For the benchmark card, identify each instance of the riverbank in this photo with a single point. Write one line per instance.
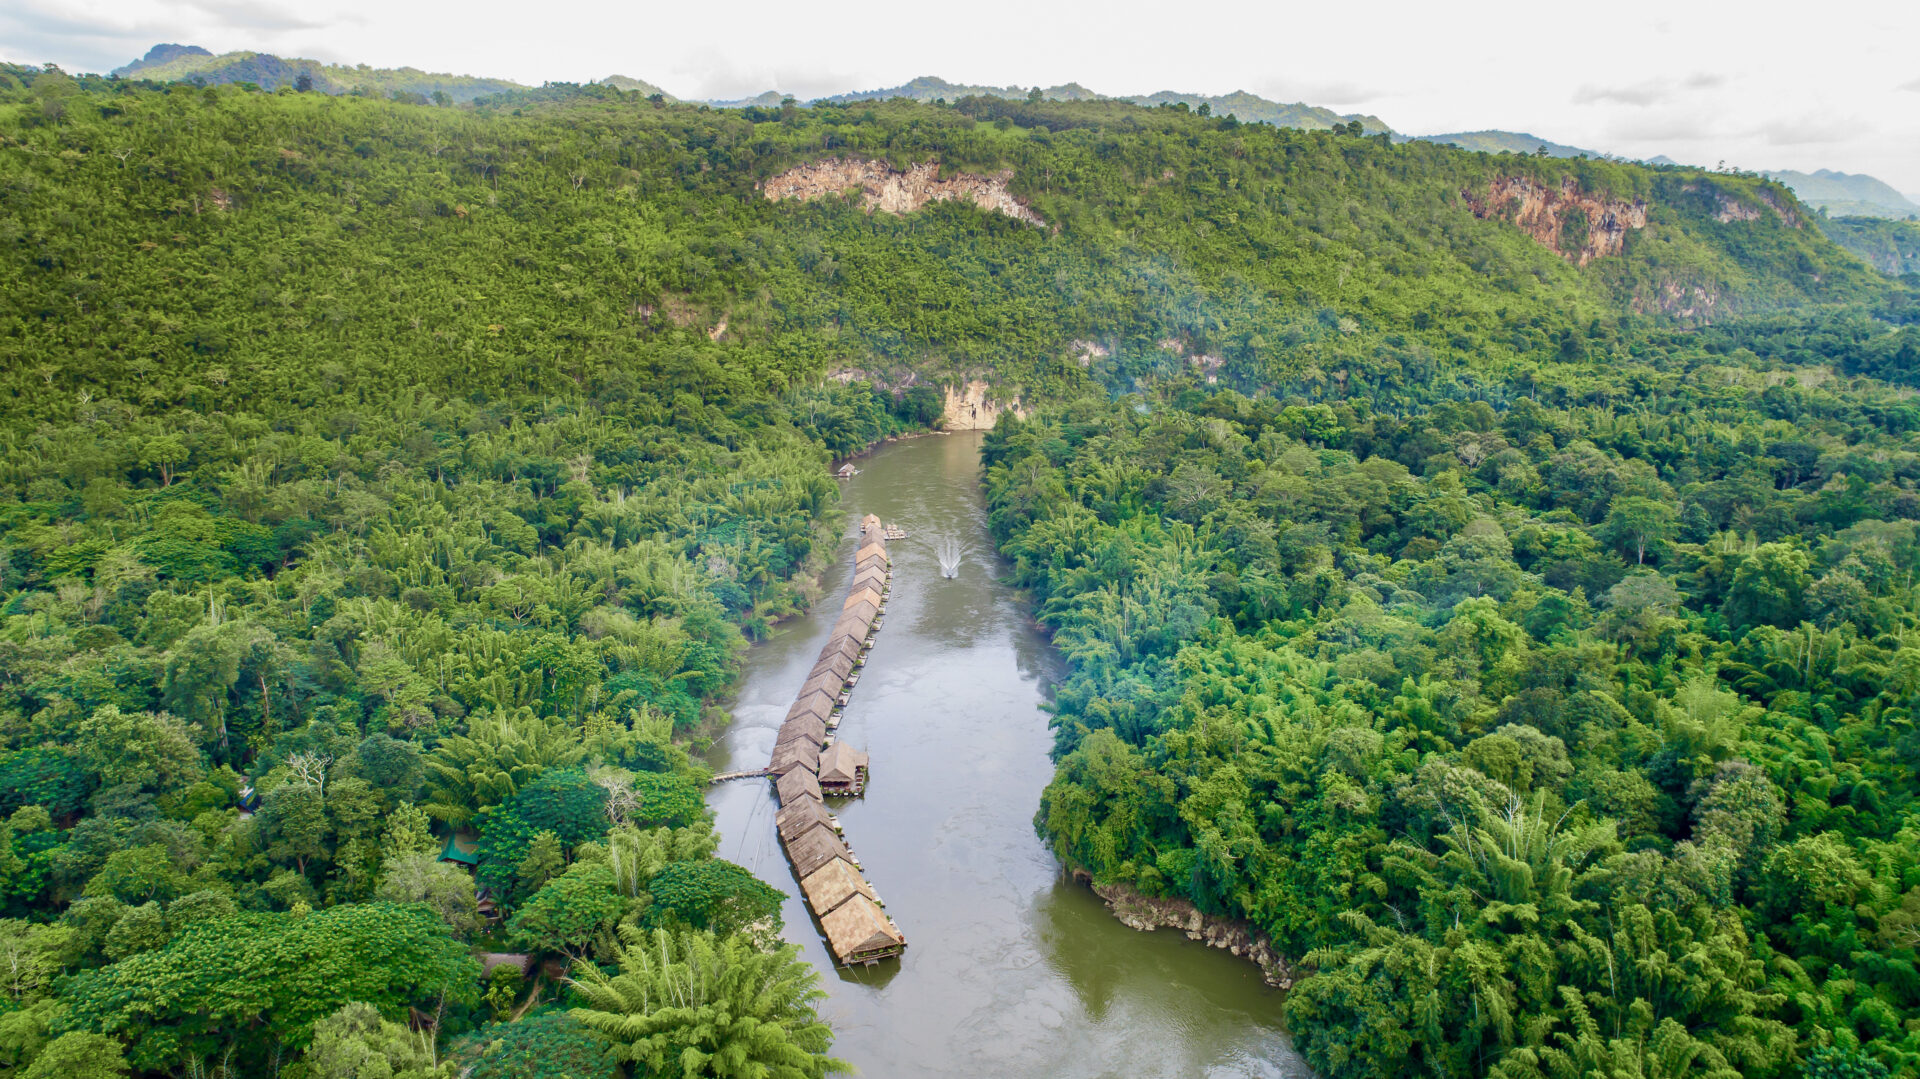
(1147, 913)
(1014, 971)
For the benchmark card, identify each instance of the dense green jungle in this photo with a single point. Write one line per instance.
(1519, 630)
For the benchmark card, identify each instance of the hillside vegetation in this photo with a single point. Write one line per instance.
(1892, 247)
(426, 468)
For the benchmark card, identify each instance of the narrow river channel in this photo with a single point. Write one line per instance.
(1010, 970)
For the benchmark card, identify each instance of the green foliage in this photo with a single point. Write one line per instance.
(356, 1042)
(42, 776)
(544, 1045)
(503, 991)
(369, 452)
(1892, 247)
(1562, 738)
(1832, 1062)
(713, 895)
(564, 804)
(693, 1004)
(78, 1055)
(421, 877)
(252, 983)
(574, 914)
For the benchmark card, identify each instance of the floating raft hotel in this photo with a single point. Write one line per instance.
(808, 765)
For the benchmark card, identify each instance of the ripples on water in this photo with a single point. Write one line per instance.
(1010, 970)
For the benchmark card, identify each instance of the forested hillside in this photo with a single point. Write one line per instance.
(420, 472)
(1892, 247)
(1559, 718)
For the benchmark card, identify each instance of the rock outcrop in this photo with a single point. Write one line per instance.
(1544, 212)
(1681, 300)
(889, 191)
(970, 409)
(1730, 208)
(1147, 914)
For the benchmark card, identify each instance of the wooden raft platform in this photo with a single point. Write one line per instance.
(808, 766)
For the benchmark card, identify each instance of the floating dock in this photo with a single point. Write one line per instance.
(808, 765)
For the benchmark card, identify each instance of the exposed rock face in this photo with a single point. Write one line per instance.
(1681, 300)
(1147, 914)
(883, 189)
(970, 409)
(1731, 209)
(1542, 213)
(1088, 351)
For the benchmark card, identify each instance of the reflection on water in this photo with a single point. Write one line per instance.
(1009, 970)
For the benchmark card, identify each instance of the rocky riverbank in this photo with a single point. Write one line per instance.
(1147, 913)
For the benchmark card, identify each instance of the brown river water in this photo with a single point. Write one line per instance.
(1011, 969)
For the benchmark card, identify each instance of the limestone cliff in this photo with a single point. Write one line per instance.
(1729, 208)
(970, 409)
(889, 191)
(1545, 213)
(1147, 914)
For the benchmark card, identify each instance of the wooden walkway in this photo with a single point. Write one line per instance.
(725, 776)
(805, 760)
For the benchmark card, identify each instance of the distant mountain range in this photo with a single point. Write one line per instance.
(1506, 142)
(636, 86)
(1844, 194)
(933, 88)
(1838, 193)
(191, 63)
(1242, 106)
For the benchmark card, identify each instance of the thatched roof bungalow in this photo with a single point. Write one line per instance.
(810, 727)
(819, 702)
(842, 769)
(823, 683)
(862, 594)
(837, 663)
(798, 753)
(814, 848)
(794, 820)
(870, 524)
(865, 609)
(834, 884)
(797, 785)
(859, 932)
(873, 578)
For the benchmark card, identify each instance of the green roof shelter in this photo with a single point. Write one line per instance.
(463, 849)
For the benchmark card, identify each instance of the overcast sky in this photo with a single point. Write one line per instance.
(1833, 85)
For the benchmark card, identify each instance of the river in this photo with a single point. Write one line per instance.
(1011, 969)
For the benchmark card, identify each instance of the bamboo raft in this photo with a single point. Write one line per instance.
(809, 765)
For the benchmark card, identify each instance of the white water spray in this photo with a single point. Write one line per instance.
(949, 551)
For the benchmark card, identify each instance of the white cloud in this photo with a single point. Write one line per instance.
(1693, 84)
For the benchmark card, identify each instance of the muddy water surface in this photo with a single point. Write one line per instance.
(1010, 969)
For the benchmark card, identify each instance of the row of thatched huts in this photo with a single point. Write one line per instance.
(809, 765)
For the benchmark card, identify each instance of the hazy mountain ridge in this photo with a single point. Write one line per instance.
(191, 63)
(934, 88)
(1243, 106)
(1839, 194)
(633, 85)
(1507, 142)
(1843, 194)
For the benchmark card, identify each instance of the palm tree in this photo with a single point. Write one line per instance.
(692, 1004)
